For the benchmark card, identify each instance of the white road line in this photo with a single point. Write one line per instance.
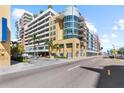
(73, 68)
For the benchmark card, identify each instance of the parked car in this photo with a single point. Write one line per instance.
(111, 56)
(121, 57)
(25, 55)
(105, 55)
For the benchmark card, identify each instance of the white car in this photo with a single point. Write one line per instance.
(25, 55)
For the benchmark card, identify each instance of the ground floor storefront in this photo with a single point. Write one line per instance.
(71, 48)
(68, 48)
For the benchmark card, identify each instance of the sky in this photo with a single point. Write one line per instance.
(106, 21)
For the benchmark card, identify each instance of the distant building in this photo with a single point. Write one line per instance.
(25, 18)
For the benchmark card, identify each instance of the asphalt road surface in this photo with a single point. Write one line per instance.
(88, 73)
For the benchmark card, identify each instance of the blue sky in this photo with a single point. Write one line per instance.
(106, 21)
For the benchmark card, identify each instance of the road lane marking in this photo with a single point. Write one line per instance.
(109, 72)
(73, 68)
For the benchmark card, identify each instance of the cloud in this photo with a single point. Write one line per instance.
(115, 28)
(105, 36)
(119, 25)
(114, 35)
(105, 40)
(91, 27)
(17, 13)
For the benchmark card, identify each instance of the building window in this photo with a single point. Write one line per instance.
(76, 31)
(50, 33)
(71, 18)
(69, 45)
(54, 27)
(54, 38)
(68, 31)
(68, 24)
(75, 18)
(34, 48)
(50, 22)
(77, 45)
(61, 54)
(54, 21)
(75, 24)
(40, 48)
(68, 18)
(54, 33)
(50, 28)
(61, 46)
(46, 47)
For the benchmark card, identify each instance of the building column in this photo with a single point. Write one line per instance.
(85, 51)
(79, 52)
(74, 51)
(65, 50)
(82, 49)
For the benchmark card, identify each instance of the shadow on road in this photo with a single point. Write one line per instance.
(114, 80)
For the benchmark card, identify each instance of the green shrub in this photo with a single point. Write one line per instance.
(20, 59)
(62, 57)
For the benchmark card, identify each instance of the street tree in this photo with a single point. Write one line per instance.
(101, 48)
(41, 11)
(35, 41)
(16, 49)
(57, 48)
(35, 15)
(52, 47)
(50, 6)
(121, 51)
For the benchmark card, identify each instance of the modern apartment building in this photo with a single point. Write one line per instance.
(93, 44)
(68, 46)
(39, 27)
(25, 18)
(73, 30)
(4, 35)
(67, 28)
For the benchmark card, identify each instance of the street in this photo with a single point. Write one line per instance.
(89, 73)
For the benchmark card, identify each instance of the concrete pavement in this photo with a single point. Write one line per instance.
(89, 73)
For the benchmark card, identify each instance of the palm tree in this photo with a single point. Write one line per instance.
(51, 47)
(41, 11)
(13, 50)
(16, 49)
(20, 49)
(57, 48)
(34, 41)
(33, 38)
(35, 15)
(101, 48)
(50, 6)
(121, 51)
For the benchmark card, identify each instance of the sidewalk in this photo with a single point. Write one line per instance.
(37, 63)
